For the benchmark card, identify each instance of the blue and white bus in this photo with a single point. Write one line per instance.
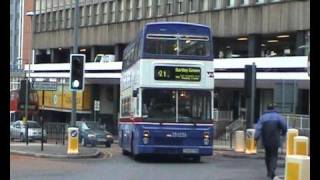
(166, 91)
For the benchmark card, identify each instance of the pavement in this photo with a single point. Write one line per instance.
(52, 151)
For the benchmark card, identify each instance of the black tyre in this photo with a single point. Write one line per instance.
(11, 138)
(124, 152)
(21, 138)
(93, 144)
(108, 144)
(134, 156)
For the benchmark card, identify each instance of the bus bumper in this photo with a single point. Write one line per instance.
(175, 150)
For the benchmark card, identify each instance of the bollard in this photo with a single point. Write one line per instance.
(290, 139)
(297, 167)
(73, 140)
(239, 141)
(251, 147)
(301, 145)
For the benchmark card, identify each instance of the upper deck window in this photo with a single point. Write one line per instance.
(194, 46)
(180, 45)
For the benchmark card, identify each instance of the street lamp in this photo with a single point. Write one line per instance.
(30, 14)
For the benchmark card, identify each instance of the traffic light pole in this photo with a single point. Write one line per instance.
(75, 51)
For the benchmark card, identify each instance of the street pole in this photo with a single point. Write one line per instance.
(30, 14)
(75, 51)
(42, 126)
(253, 95)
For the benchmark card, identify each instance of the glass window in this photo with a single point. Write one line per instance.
(169, 7)
(97, 14)
(113, 11)
(54, 20)
(244, 2)
(68, 18)
(161, 46)
(194, 47)
(82, 16)
(89, 15)
(168, 45)
(121, 11)
(192, 5)
(229, 3)
(259, 1)
(62, 18)
(43, 22)
(216, 4)
(204, 5)
(180, 6)
(139, 9)
(32, 125)
(105, 12)
(161, 105)
(149, 8)
(158, 7)
(129, 9)
(193, 106)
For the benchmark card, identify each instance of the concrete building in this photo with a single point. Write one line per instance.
(15, 42)
(20, 31)
(242, 29)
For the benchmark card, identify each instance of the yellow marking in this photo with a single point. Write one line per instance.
(301, 148)
(292, 171)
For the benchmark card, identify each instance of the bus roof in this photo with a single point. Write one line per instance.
(176, 28)
(177, 23)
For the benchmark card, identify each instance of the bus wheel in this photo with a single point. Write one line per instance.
(134, 156)
(125, 152)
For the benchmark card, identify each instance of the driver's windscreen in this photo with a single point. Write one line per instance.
(33, 125)
(159, 105)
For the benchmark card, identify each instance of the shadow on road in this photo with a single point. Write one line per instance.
(165, 159)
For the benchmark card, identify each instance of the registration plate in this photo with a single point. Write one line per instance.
(101, 140)
(190, 151)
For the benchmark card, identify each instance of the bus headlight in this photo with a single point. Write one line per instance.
(206, 138)
(146, 137)
(146, 134)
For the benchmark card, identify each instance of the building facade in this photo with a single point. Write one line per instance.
(241, 29)
(15, 42)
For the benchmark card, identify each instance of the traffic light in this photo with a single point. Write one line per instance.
(22, 91)
(249, 79)
(77, 62)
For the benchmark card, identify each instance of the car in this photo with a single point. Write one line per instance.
(104, 58)
(91, 133)
(18, 131)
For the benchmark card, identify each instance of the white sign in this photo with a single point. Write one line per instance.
(96, 105)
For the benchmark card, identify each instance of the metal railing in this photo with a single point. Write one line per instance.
(226, 138)
(298, 121)
(56, 132)
(222, 115)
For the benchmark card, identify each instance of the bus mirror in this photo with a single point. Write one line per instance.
(135, 93)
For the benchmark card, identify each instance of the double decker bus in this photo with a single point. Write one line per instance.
(166, 91)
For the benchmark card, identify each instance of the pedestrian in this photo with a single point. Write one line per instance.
(270, 126)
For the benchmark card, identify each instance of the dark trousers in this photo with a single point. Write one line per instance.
(271, 157)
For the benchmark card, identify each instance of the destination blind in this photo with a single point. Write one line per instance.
(173, 73)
